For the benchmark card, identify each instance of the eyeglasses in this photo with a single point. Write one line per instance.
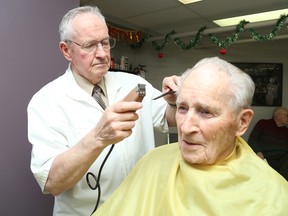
(91, 46)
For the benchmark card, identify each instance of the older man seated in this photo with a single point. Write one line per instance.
(211, 170)
(269, 139)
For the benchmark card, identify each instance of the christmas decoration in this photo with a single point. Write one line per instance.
(160, 55)
(124, 35)
(223, 51)
(229, 40)
(193, 42)
(279, 25)
(139, 44)
(222, 44)
(158, 47)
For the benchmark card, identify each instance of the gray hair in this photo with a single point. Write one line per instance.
(279, 110)
(241, 87)
(66, 29)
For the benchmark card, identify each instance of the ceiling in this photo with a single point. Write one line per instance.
(159, 17)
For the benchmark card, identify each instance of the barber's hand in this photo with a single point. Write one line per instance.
(168, 84)
(117, 122)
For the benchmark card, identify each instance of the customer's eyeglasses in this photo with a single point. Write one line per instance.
(90, 46)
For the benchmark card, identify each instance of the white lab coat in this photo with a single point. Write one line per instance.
(61, 113)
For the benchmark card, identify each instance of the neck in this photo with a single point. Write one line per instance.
(279, 123)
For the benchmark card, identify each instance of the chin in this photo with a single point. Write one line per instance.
(101, 66)
(101, 70)
(195, 159)
(191, 158)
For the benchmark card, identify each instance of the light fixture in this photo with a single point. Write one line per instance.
(188, 1)
(265, 16)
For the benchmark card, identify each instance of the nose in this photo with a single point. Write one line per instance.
(190, 124)
(100, 51)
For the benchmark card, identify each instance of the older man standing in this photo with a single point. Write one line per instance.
(76, 120)
(211, 170)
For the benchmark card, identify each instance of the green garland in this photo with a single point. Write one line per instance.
(158, 47)
(279, 25)
(193, 42)
(139, 44)
(229, 40)
(223, 44)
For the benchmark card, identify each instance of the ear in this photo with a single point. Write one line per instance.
(244, 120)
(65, 50)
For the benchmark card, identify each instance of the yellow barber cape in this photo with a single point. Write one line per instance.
(163, 184)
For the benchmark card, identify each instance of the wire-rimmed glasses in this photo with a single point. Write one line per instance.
(90, 46)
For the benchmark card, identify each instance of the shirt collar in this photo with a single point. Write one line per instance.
(86, 85)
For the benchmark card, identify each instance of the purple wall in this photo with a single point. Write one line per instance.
(29, 58)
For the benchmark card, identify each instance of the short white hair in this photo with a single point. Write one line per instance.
(66, 29)
(241, 85)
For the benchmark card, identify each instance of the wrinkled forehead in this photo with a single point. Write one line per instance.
(89, 25)
(204, 88)
(206, 76)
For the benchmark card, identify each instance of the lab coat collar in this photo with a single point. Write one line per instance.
(74, 91)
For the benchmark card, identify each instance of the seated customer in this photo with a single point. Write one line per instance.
(269, 139)
(211, 170)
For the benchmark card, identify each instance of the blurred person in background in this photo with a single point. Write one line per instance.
(269, 139)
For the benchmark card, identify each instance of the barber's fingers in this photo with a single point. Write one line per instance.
(124, 106)
(116, 124)
(115, 132)
(170, 83)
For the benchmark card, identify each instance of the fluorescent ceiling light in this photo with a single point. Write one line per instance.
(189, 1)
(265, 16)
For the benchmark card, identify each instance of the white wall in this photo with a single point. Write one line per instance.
(176, 61)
